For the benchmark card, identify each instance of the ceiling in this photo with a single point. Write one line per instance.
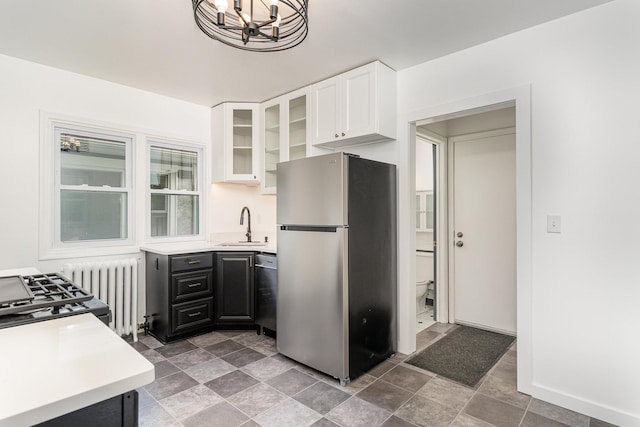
(156, 46)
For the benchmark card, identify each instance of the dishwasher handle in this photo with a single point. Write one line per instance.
(265, 266)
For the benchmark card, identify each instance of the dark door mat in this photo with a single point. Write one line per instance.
(464, 355)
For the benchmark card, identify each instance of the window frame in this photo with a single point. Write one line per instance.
(179, 145)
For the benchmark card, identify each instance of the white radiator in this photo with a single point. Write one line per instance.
(115, 283)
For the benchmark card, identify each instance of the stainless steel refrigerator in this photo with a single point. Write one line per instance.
(337, 251)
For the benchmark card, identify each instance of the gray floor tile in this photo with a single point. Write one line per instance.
(256, 399)
(155, 416)
(268, 348)
(446, 392)
(243, 357)
(207, 371)
(394, 421)
(426, 337)
(249, 339)
(358, 384)
(441, 328)
(266, 368)
(152, 356)
(186, 403)
(323, 422)
(149, 341)
(559, 414)
(321, 397)
(494, 411)
(356, 412)
(250, 423)
(381, 369)
(504, 390)
(139, 347)
(221, 415)
(231, 383)
(425, 412)
(291, 382)
(464, 420)
(175, 348)
(191, 358)
(505, 369)
(594, 422)
(385, 395)
(144, 398)
(288, 413)
(170, 385)
(223, 348)
(164, 368)
(534, 420)
(406, 378)
(206, 340)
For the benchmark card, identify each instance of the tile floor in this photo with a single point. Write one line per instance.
(239, 379)
(424, 319)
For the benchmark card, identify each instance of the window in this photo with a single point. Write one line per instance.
(92, 185)
(175, 184)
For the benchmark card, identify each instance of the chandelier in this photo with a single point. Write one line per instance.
(254, 25)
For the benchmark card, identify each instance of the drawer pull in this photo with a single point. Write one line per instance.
(193, 285)
(194, 314)
(193, 261)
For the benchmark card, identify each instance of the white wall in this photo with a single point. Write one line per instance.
(227, 201)
(26, 89)
(584, 318)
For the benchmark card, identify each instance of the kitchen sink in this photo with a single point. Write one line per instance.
(243, 244)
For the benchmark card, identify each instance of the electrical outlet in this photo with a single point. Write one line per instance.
(554, 224)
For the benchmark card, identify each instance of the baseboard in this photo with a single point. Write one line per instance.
(586, 407)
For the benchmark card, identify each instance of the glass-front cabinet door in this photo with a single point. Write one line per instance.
(271, 145)
(235, 138)
(285, 130)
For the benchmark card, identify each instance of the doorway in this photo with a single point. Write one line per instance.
(478, 237)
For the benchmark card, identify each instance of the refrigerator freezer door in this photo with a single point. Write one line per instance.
(312, 299)
(311, 191)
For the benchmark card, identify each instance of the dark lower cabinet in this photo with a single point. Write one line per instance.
(179, 294)
(234, 289)
(119, 411)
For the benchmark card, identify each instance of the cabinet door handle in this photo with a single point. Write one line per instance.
(337, 135)
(193, 285)
(343, 134)
(194, 314)
(195, 261)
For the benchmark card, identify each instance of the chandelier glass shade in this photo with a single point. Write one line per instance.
(253, 25)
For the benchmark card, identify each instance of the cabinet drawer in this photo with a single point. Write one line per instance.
(191, 262)
(191, 285)
(191, 315)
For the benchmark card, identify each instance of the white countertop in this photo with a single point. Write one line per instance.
(54, 367)
(192, 247)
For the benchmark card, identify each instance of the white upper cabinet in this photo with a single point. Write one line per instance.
(285, 130)
(235, 139)
(355, 107)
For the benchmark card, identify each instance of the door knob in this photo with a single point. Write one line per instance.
(459, 234)
(459, 243)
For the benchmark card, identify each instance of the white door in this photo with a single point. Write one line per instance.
(484, 207)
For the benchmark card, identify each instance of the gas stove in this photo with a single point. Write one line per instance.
(34, 298)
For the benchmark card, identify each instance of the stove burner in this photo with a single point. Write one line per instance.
(50, 291)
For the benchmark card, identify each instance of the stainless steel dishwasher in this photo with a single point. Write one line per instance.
(267, 295)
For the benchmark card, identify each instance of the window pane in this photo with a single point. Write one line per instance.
(173, 169)
(92, 215)
(91, 161)
(174, 215)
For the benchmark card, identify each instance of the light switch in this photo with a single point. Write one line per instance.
(554, 224)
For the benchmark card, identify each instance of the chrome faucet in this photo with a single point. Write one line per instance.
(248, 234)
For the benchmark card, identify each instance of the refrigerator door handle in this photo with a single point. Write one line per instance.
(320, 229)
